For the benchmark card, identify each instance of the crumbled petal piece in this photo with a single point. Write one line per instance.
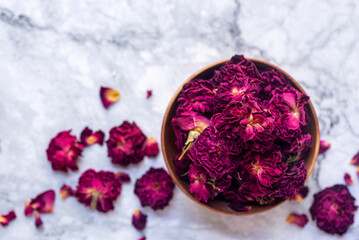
(333, 209)
(88, 137)
(125, 144)
(355, 160)
(109, 96)
(98, 190)
(139, 220)
(149, 94)
(348, 179)
(142, 238)
(151, 147)
(67, 191)
(154, 188)
(7, 218)
(324, 146)
(43, 203)
(63, 151)
(298, 219)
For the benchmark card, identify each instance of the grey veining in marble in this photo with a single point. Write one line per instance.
(55, 55)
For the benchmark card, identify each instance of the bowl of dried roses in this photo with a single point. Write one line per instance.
(240, 137)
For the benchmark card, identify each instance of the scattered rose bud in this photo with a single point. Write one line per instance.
(122, 177)
(154, 188)
(125, 145)
(63, 151)
(151, 147)
(333, 209)
(348, 179)
(67, 191)
(298, 219)
(324, 146)
(149, 94)
(108, 96)
(301, 194)
(139, 220)
(98, 190)
(7, 218)
(43, 203)
(355, 160)
(89, 138)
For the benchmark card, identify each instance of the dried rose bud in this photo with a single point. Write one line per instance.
(43, 203)
(139, 220)
(348, 179)
(98, 190)
(355, 160)
(149, 94)
(199, 185)
(88, 137)
(67, 191)
(125, 144)
(123, 177)
(298, 219)
(63, 151)
(324, 146)
(301, 194)
(154, 188)
(151, 147)
(108, 96)
(7, 218)
(333, 209)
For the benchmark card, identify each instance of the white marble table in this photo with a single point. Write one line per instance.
(54, 56)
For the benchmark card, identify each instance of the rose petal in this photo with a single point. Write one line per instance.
(123, 177)
(139, 220)
(348, 179)
(142, 238)
(355, 160)
(38, 221)
(67, 191)
(298, 219)
(324, 146)
(301, 195)
(149, 94)
(43, 203)
(7, 218)
(108, 96)
(88, 137)
(151, 147)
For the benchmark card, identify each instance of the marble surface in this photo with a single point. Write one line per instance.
(54, 56)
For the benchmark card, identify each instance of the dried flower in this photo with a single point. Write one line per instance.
(154, 188)
(139, 220)
(333, 209)
(348, 179)
(63, 151)
(7, 218)
(43, 203)
(324, 146)
(108, 96)
(199, 185)
(125, 145)
(88, 137)
(98, 190)
(298, 219)
(151, 147)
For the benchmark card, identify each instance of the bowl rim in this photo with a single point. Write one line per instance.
(174, 98)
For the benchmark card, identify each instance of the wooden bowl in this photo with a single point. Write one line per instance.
(170, 150)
